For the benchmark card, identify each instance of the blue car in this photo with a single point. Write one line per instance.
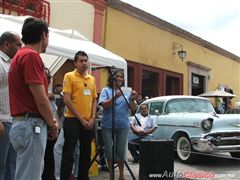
(194, 126)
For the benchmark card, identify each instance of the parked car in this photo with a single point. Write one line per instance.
(194, 126)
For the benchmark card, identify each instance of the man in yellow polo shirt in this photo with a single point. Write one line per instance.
(80, 95)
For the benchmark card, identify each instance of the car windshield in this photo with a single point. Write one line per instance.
(156, 107)
(189, 105)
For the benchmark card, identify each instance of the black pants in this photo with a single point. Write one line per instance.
(48, 172)
(134, 150)
(73, 131)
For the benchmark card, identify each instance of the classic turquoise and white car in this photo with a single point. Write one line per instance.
(194, 126)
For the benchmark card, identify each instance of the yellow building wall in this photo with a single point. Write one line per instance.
(77, 15)
(141, 42)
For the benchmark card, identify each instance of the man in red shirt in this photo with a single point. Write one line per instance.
(29, 104)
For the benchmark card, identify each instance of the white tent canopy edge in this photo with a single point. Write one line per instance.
(61, 47)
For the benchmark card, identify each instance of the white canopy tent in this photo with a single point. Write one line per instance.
(63, 44)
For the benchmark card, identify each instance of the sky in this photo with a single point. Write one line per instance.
(216, 21)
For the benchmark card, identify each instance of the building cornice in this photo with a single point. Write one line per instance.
(198, 66)
(166, 26)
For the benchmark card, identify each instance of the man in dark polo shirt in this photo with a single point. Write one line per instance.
(29, 104)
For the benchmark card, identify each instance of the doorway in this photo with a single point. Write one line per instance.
(172, 85)
(150, 84)
(198, 82)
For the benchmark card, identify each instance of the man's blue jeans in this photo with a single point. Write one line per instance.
(30, 147)
(7, 155)
(133, 144)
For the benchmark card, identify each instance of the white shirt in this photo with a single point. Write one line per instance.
(4, 92)
(143, 122)
(146, 122)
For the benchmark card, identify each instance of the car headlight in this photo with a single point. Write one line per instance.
(207, 124)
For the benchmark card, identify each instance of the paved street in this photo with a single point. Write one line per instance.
(221, 167)
(134, 167)
(105, 175)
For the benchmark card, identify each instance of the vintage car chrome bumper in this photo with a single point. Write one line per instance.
(217, 142)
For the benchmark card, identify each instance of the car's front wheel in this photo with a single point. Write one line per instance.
(185, 150)
(235, 154)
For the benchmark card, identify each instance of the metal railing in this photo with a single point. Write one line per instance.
(35, 8)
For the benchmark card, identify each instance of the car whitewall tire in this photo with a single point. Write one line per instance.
(184, 150)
